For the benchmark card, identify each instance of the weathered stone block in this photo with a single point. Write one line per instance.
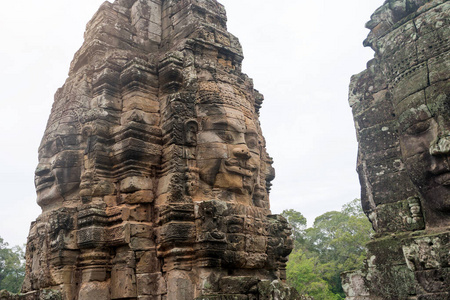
(179, 286)
(410, 82)
(133, 184)
(141, 103)
(118, 235)
(354, 286)
(138, 243)
(434, 281)
(63, 275)
(437, 96)
(256, 260)
(384, 185)
(269, 290)
(256, 243)
(141, 230)
(125, 256)
(379, 113)
(140, 213)
(123, 283)
(236, 242)
(151, 284)
(398, 217)
(93, 274)
(379, 138)
(181, 231)
(143, 196)
(107, 101)
(147, 262)
(94, 290)
(239, 284)
(91, 236)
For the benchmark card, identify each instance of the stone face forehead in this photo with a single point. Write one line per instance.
(223, 122)
(66, 127)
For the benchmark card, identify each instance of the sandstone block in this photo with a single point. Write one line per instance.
(94, 290)
(142, 196)
(151, 284)
(239, 284)
(138, 243)
(135, 183)
(147, 262)
(123, 283)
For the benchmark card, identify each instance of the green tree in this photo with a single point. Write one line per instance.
(12, 267)
(306, 274)
(297, 222)
(335, 243)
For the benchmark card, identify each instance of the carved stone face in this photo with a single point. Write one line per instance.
(57, 175)
(228, 150)
(425, 145)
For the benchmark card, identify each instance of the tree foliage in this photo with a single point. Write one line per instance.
(297, 222)
(334, 244)
(12, 267)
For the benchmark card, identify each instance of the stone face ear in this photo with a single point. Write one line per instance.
(190, 132)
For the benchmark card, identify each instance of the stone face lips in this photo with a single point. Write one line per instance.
(153, 176)
(402, 117)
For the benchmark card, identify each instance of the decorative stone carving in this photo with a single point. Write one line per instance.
(402, 116)
(153, 175)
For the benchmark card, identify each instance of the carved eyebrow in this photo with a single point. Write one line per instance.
(226, 125)
(221, 124)
(251, 131)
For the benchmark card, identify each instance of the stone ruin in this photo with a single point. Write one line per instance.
(401, 108)
(153, 175)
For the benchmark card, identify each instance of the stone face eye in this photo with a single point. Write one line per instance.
(418, 128)
(251, 143)
(226, 136)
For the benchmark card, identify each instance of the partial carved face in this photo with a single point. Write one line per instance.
(425, 145)
(228, 151)
(57, 175)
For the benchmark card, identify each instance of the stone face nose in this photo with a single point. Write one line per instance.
(241, 151)
(42, 169)
(441, 145)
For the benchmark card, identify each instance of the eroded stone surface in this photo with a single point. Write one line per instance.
(153, 175)
(402, 117)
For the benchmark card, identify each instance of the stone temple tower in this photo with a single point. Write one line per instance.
(153, 175)
(401, 108)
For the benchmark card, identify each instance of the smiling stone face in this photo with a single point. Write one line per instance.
(229, 145)
(228, 153)
(425, 143)
(57, 176)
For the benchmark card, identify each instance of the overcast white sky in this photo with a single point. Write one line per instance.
(299, 53)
